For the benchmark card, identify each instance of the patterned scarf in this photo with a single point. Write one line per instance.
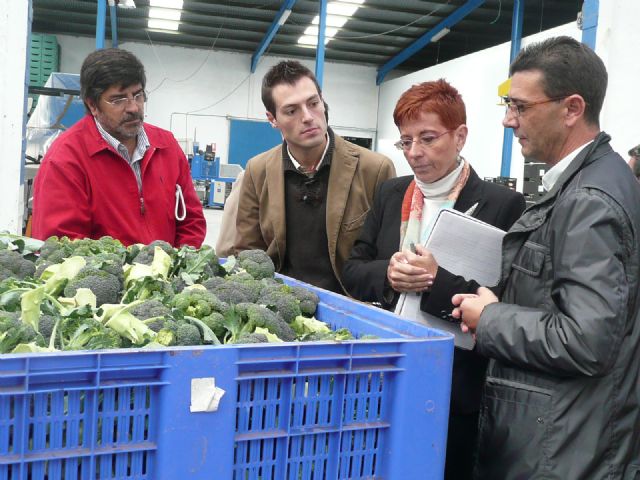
(413, 209)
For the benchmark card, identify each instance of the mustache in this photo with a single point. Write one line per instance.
(133, 116)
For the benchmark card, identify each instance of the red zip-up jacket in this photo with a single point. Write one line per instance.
(85, 189)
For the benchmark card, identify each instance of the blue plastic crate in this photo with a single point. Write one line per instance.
(296, 411)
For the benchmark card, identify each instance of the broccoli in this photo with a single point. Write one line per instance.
(54, 250)
(105, 286)
(119, 318)
(308, 300)
(109, 262)
(216, 323)
(305, 326)
(233, 293)
(45, 326)
(92, 335)
(178, 284)
(14, 265)
(167, 337)
(151, 308)
(213, 282)
(282, 302)
(252, 338)
(259, 316)
(257, 263)
(188, 334)
(195, 265)
(197, 303)
(146, 253)
(13, 332)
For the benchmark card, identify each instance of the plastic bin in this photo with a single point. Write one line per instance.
(299, 411)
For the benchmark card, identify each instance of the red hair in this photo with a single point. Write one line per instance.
(437, 97)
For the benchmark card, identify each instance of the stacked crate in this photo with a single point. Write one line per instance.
(44, 58)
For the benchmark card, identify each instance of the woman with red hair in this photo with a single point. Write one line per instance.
(431, 118)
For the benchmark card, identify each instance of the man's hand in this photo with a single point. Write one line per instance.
(469, 307)
(412, 272)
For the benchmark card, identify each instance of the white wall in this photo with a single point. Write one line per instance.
(476, 76)
(14, 16)
(210, 86)
(618, 44)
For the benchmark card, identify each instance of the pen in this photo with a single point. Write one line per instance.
(472, 209)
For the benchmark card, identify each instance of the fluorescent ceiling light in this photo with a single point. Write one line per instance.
(358, 2)
(165, 13)
(337, 21)
(166, 3)
(284, 17)
(340, 8)
(313, 30)
(311, 41)
(440, 34)
(163, 24)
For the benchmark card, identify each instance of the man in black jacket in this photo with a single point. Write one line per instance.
(561, 398)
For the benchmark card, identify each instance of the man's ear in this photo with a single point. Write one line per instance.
(93, 106)
(272, 120)
(575, 106)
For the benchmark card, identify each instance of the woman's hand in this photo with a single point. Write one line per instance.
(411, 272)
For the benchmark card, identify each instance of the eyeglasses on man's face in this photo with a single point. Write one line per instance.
(122, 102)
(425, 140)
(518, 107)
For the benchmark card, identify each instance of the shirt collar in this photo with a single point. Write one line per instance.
(142, 141)
(550, 178)
(323, 158)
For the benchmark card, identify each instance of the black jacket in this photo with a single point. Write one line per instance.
(365, 272)
(562, 394)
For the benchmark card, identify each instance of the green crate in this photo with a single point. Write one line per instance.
(44, 58)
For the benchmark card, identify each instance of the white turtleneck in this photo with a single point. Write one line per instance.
(435, 198)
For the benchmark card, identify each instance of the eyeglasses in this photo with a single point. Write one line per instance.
(519, 108)
(121, 103)
(423, 141)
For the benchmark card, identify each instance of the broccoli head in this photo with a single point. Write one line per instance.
(188, 334)
(105, 286)
(251, 338)
(152, 312)
(14, 331)
(145, 255)
(197, 303)
(233, 293)
(284, 303)
(14, 265)
(308, 300)
(259, 316)
(257, 263)
(92, 335)
(211, 283)
(216, 322)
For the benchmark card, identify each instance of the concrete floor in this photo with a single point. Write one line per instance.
(214, 219)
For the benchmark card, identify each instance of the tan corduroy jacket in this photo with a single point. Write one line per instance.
(355, 176)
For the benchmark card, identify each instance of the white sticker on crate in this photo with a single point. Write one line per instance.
(205, 396)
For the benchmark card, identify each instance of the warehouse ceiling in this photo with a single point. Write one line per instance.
(373, 35)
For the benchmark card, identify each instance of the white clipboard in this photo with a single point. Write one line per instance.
(464, 246)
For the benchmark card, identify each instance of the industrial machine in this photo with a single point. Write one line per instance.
(213, 181)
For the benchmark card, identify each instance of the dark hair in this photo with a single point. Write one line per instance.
(568, 67)
(289, 72)
(635, 152)
(437, 97)
(105, 68)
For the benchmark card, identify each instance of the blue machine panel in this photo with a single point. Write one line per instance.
(248, 138)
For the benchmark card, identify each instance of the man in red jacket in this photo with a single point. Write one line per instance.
(111, 174)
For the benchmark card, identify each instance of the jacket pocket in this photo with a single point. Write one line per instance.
(531, 259)
(632, 472)
(514, 430)
(355, 223)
